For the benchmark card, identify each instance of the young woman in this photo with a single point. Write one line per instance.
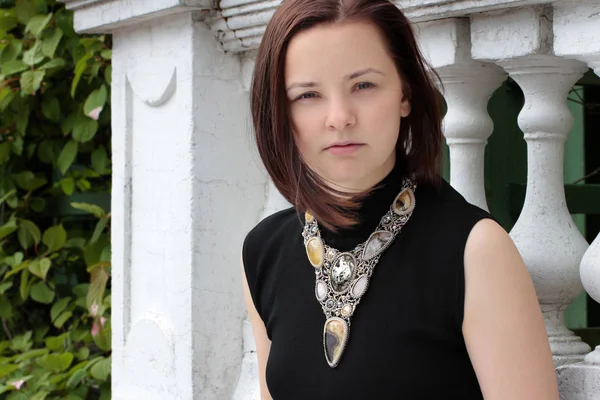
(381, 282)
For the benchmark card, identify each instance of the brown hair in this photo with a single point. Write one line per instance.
(420, 140)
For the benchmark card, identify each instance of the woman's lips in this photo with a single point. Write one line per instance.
(344, 149)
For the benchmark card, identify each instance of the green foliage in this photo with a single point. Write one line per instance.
(55, 267)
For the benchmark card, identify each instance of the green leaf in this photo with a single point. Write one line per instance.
(8, 228)
(84, 128)
(6, 310)
(17, 145)
(76, 378)
(31, 81)
(22, 343)
(41, 293)
(5, 151)
(16, 395)
(51, 108)
(99, 159)
(5, 286)
(18, 268)
(81, 289)
(8, 20)
(22, 119)
(15, 259)
(80, 68)
(98, 280)
(25, 286)
(40, 395)
(8, 194)
(58, 307)
(106, 54)
(97, 211)
(38, 204)
(55, 63)
(45, 151)
(37, 24)
(83, 353)
(25, 10)
(14, 67)
(108, 75)
(31, 354)
(12, 51)
(28, 181)
(62, 318)
(95, 100)
(101, 370)
(51, 43)
(67, 156)
(56, 362)
(57, 343)
(67, 185)
(40, 267)
(7, 369)
(69, 123)
(55, 238)
(34, 55)
(29, 234)
(100, 225)
(6, 97)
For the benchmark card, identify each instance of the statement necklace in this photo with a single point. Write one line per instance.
(342, 278)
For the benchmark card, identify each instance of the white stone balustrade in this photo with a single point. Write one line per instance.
(467, 87)
(577, 28)
(187, 181)
(545, 234)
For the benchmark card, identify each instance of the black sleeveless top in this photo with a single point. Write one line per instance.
(406, 337)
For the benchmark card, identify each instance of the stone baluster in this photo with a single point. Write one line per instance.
(186, 188)
(576, 33)
(467, 87)
(545, 234)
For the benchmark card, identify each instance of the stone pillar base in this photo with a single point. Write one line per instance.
(579, 381)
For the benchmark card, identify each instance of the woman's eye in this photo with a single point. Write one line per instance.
(364, 85)
(306, 96)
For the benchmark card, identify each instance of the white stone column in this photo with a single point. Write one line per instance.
(248, 386)
(467, 88)
(186, 188)
(545, 234)
(577, 29)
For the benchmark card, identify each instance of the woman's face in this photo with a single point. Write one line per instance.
(346, 102)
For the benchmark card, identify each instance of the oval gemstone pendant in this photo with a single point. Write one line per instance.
(342, 272)
(404, 202)
(360, 287)
(378, 242)
(335, 336)
(315, 252)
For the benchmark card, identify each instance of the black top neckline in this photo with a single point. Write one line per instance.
(370, 212)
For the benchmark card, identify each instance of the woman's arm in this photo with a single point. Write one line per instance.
(503, 325)
(263, 344)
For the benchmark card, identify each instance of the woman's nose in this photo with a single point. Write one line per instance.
(340, 115)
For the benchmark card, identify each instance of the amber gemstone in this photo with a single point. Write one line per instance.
(315, 252)
(404, 202)
(378, 241)
(308, 217)
(335, 336)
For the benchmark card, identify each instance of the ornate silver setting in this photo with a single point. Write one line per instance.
(342, 278)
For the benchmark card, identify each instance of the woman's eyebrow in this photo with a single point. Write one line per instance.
(351, 76)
